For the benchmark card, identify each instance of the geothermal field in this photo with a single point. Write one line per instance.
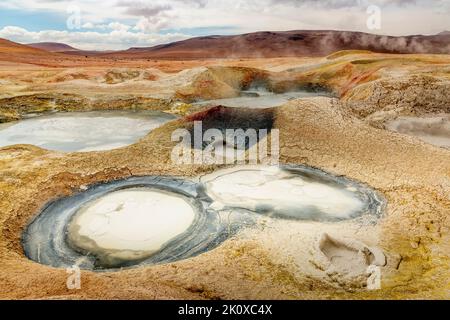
(356, 207)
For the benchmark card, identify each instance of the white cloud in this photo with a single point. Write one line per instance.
(151, 25)
(89, 40)
(102, 26)
(88, 25)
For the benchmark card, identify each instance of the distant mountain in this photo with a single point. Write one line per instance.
(52, 46)
(444, 33)
(16, 52)
(286, 44)
(10, 47)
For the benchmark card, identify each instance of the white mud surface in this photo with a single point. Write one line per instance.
(82, 131)
(273, 191)
(130, 224)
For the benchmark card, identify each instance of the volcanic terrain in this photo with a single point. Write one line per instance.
(344, 133)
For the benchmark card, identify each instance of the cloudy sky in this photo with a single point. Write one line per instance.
(120, 24)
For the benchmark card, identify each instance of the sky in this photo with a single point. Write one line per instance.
(121, 24)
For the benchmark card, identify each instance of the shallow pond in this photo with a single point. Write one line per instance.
(290, 192)
(82, 131)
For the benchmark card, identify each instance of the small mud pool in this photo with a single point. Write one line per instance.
(82, 131)
(262, 99)
(153, 220)
(137, 221)
(433, 130)
(291, 192)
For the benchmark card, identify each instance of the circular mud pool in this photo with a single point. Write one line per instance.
(137, 221)
(291, 192)
(82, 131)
(153, 220)
(262, 99)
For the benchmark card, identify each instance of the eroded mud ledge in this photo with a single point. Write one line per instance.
(334, 136)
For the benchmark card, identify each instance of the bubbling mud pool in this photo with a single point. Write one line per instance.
(291, 192)
(82, 131)
(154, 220)
(434, 130)
(262, 99)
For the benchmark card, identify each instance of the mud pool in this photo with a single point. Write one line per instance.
(154, 220)
(434, 130)
(262, 99)
(291, 192)
(82, 131)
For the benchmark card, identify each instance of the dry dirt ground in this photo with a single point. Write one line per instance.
(344, 135)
